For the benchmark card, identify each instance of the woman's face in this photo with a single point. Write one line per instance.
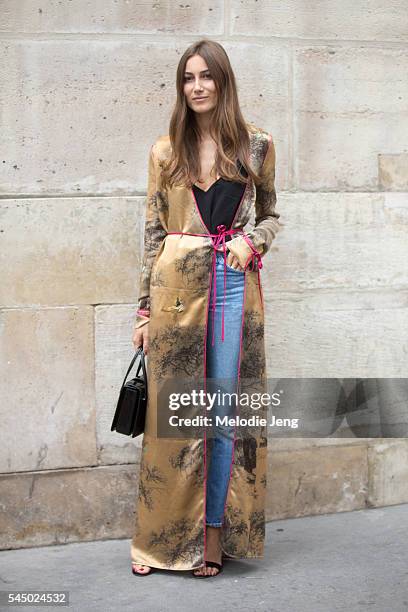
(198, 83)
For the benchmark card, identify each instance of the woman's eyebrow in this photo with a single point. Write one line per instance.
(202, 71)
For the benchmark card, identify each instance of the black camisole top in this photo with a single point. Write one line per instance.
(219, 203)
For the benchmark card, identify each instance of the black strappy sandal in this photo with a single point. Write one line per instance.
(219, 567)
(136, 573)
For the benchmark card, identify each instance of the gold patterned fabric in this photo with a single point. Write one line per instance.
(175, 284)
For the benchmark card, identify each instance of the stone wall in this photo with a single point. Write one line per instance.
(86, 87)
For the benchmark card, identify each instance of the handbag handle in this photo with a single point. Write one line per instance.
(141, 363)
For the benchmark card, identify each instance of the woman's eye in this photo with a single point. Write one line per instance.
(206, 76)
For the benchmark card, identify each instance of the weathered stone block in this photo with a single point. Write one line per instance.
(113, 353)
(349, 105)
(335, 292)
(349, 20)
(388, 471)
(47, 391)
(70, 251)
(393, 172)
(64, 506)
(104, 16)
(82, 114)
(316, 481)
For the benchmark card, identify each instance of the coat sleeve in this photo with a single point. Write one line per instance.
(154, 233)
(257, 242)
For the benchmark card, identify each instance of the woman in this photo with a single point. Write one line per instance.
(200, 314)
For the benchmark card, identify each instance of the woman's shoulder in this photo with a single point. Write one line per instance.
(161, 148)
(258, 133)
(260, 142)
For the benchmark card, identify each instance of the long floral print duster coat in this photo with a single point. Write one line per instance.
(174, 298)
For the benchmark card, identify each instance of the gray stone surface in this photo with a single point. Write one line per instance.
(387, 463)
(70, 251)
(60, 506)
(114, 17)
(339, 243)
(47, 388)
(349, 104)
(349, 561)
(113, 353)
(82, 114)
(316, 480)
(335, 286)
(346, 21)
(393, 171)
(318, 336)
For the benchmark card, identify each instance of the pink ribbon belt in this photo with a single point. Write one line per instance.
(218, 239)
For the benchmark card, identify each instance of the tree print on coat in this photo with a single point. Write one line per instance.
(161, 203)
(189, 461)
(150, 480)
(158, 279)
(153, 232)
(177, 353)
(257, 528)
(245, 455)
(179, 541)
(234, 532)
(194, 269)
(252, 365)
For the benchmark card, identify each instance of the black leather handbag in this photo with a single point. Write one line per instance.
(130, 411)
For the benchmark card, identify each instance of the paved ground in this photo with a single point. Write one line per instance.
(350, 561)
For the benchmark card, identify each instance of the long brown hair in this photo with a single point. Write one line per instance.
(228, 127)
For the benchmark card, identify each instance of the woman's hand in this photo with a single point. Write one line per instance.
(233, 261)
(141, 338)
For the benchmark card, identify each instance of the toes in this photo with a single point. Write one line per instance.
(206, 571)
(141, 569)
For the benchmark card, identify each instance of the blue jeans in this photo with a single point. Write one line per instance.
(222, 363)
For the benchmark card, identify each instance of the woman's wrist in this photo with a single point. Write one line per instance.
(143, 312)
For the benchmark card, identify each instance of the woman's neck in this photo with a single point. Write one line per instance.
(204, 123)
